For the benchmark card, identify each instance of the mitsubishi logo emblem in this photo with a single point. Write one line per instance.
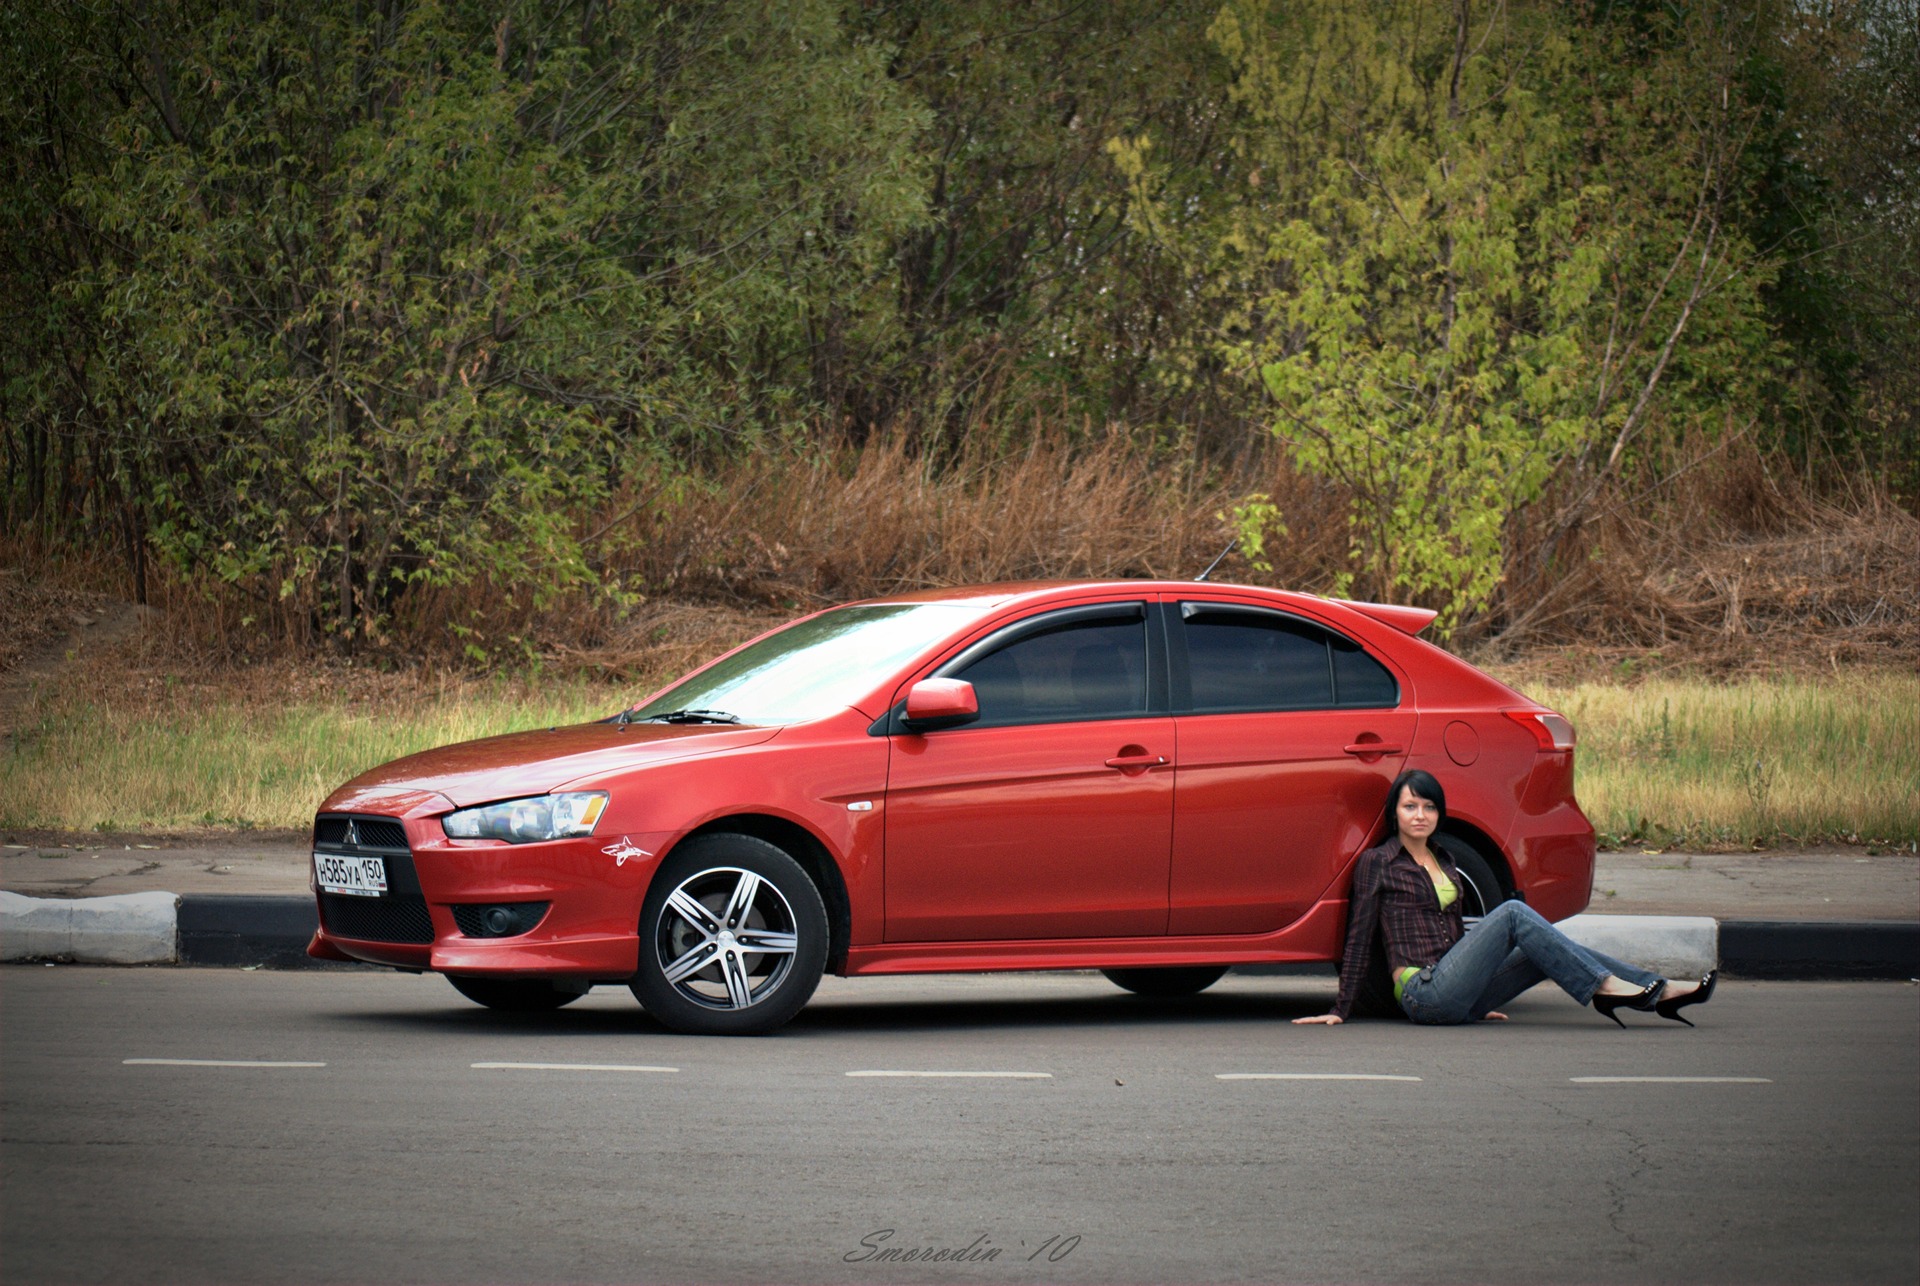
(353, 832)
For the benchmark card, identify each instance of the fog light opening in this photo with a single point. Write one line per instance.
(498, 919)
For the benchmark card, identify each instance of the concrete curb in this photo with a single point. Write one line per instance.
(272, 931)
(1674, 946)
(263, 930)
(1801, 949)
(127, 928)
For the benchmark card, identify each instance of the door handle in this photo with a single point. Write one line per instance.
(1373, 748)
(1136, 761)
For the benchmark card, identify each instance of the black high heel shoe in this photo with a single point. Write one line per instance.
(1700, 996)
(1646, 998)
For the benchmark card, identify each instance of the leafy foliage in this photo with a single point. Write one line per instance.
(1451, 293)
(382, 296)
(351, 305)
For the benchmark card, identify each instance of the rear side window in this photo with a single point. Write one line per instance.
(1248, 659)
(1252, 663)
(1093, 670)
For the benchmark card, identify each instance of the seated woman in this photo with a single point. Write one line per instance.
(1409, 893)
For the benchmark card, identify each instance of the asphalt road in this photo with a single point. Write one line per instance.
(1127, 1148)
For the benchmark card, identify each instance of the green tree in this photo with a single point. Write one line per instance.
(1423, 262)
(363, 296)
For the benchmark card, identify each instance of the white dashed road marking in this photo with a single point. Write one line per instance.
(1670, 1080)
(1005, 1076)
(1309, 1076)
(568, 1067)
(208, 1062)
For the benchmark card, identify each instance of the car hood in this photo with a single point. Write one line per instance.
(533, 763)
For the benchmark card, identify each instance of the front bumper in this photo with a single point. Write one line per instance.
(593, 885)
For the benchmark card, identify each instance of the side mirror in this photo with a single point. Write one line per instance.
(940, 703)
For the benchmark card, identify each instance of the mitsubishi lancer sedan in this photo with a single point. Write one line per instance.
(1159, 780)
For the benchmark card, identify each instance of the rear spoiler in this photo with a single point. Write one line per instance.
(1411, 620)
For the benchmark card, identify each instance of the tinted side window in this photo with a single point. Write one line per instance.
(1092, 671)
(1243, 662)
(1358, 679)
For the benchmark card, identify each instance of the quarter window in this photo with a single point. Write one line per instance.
(1358, 679)
(1093, 670)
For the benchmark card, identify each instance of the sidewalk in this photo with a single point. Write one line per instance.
(245, 896)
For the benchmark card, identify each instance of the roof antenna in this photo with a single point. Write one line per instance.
(1231, 546)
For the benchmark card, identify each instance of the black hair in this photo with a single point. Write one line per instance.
(1424, 786)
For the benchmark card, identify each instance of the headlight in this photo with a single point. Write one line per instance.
(526, 821)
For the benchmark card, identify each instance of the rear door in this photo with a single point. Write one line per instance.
(1290, 734)
(1051, 816)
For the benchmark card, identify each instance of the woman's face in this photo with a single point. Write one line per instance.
(1417, 816)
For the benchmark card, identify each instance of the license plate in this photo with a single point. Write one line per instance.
(363, 876)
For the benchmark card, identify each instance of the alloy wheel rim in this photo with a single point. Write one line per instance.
(726, 939)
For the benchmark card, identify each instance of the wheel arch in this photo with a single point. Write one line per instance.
(806, 848)
(1482, 843)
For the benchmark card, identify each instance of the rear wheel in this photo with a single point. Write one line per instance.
(733, 938)
(512, 995)
(1484, 890)
(1187, 980)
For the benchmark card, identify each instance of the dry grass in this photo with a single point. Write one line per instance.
(154, 752)
(1729, 566)
(765, 534)
(821, 525)
(1725, 564)
(1705, 765)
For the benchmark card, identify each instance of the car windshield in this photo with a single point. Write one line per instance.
(810, 669)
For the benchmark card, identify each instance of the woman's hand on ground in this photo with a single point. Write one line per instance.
(1331, 1020)
(1493, 1016)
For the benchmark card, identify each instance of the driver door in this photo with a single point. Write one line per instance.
(1050, 817)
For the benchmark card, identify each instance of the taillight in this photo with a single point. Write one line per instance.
(1549, 729)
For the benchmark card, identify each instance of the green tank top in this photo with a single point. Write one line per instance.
(1444, 889)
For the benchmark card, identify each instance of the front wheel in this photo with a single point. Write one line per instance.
(733, 938)
(512, 995)
(1187, 981)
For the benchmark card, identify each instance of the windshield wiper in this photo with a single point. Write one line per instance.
(692, 716)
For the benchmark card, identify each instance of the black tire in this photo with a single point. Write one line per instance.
(1484, 889)
(512, 995)
(695, 975)
(1187, 980)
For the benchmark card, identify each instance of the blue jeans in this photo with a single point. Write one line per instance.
(1510, 950)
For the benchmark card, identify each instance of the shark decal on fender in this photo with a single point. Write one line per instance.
(622, 849)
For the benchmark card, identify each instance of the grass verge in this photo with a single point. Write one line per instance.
(1669, 763)
(1686, 763)
(209, 758)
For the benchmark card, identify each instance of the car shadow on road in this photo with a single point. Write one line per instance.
(853, 1015)
(844, 1016)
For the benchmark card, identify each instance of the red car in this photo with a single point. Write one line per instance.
(1157, 779)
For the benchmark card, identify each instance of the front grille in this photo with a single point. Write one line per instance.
(399, 915)
(385, 919)
(367, 832)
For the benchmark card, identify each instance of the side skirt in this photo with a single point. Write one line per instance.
(1315, 936)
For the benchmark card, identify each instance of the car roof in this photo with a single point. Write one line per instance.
(1408, 620)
